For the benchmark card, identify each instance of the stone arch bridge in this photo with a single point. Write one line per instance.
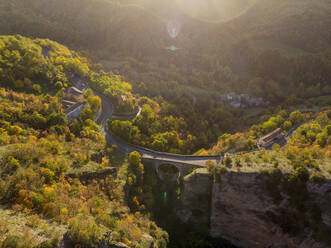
(183, 167)
(183, 163)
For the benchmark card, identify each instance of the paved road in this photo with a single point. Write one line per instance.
(107, 111)
(123, 146)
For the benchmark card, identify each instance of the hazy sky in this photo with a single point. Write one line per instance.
(214, 10)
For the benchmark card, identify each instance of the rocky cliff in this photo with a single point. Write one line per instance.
(196, 198)
(243, 209)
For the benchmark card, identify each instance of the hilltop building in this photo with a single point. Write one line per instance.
(74, 91)
(72, 103)
(268, 139)
(243, 100)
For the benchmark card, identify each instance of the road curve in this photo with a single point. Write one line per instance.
(107, 109)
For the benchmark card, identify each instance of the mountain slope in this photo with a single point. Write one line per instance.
(139, 29)
(59, 183)
(89, 24)
(302, 24)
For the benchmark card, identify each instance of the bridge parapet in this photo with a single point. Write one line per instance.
(184, 168)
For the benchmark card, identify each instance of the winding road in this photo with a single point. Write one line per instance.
(107, 109)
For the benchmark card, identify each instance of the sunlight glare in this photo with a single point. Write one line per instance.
(215, 10)
(173, 28)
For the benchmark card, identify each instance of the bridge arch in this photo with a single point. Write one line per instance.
(168, 172)
(178, 169)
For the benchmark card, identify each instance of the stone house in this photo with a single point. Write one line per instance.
(72, 103)
(266, 140)
(74, 91)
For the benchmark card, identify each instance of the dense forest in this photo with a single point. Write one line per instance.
(215, 85)
(35, 168)
(265, 61)
(42, 155)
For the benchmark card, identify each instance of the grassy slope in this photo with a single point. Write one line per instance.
(13, 223)
(258, 162)
(299, 150)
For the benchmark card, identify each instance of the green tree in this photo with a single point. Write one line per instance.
(57, 119)
(134, 158)
(19, 84)
(13, 163)
(135, 164)
(269, 126)
(296, 117)
(58, 85)
(88, 93)
(36, 88)
(87, 113)
(322, 139)
(323, 120)
(287, 125)
(94, 102)
(84, 231)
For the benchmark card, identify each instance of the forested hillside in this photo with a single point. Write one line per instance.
(101, 26)
(92, 24)
(293, 23)
(25, 62)
(258, 53)
(48, 194)
(287, 173)
(181, 76)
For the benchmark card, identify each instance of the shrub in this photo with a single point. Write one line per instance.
(275, 147)
(58, 85)
(13, 130)
(19, 84)
(33, 221)
(13, 163)
(107, 220)
(287, 125)
(322, 139)
(37, 199)
(46, 244)
(296, 117)
(247, 157)
(84, 231)
(36, 88)
(135, 163)
(12, 241)
(228, 161)
(48, 174)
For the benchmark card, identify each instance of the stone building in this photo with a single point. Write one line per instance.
(74, 91)
(72, 103)
(267, 140)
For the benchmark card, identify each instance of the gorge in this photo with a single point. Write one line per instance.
(240, 209)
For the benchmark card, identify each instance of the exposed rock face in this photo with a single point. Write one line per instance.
(239, 208)
(196, 198)
(243, 212)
